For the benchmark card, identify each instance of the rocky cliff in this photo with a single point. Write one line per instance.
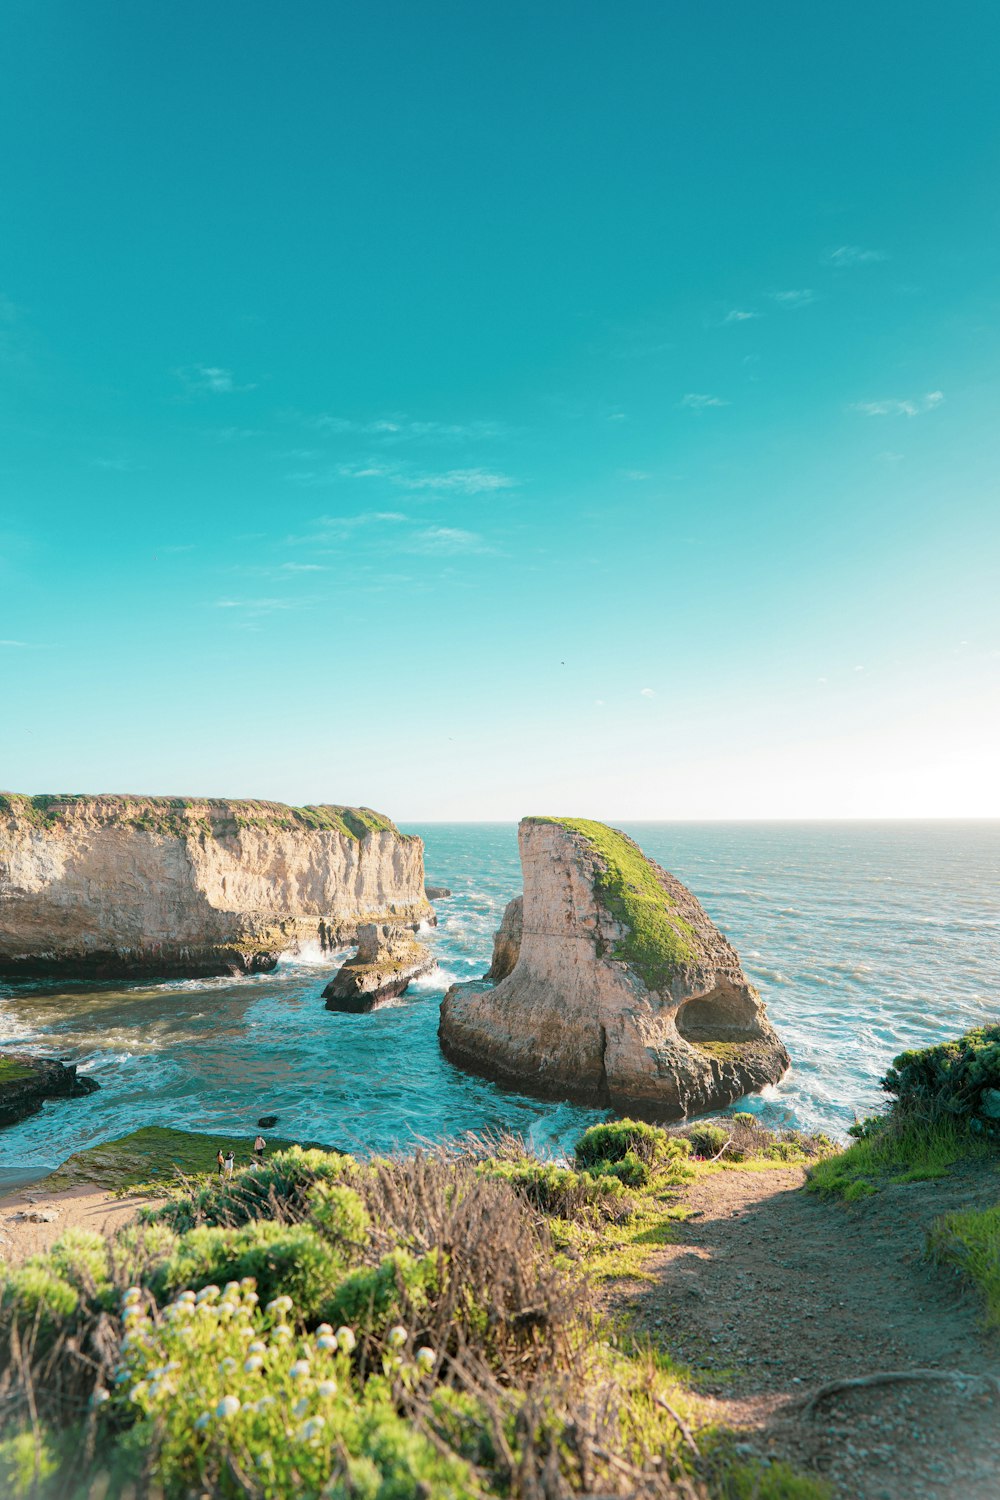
(130, 886)
(26, 1082)
(623, 992)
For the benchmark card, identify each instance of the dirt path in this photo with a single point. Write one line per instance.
(770, 1292)
(32, 1220)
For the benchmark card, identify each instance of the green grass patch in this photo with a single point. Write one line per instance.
(895, 1149)
(181, 817)
(970, 1243)
(658, 942)
(153, 1157)
(12, 1070)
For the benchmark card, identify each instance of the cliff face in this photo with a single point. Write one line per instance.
(623, 992)
(26, 1082)
(129, 886)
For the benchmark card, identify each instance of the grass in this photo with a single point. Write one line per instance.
(658, 941)
(152, 1158)
(969, 1242)
(896, 1149)
(14, 1071)
(180, 817)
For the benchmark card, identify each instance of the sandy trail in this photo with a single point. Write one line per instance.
(769, 1292)
(80, 1207)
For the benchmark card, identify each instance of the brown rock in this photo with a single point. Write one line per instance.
(127, 886)
(507, 941)
(388, 957)
(27, 1081)
(623, 993)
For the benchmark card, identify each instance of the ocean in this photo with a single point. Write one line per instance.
(864, 939)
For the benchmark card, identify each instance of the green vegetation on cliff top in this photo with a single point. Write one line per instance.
(154, 1156)
(187, 816)
(659, 941)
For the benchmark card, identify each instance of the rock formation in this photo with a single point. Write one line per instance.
(437, 892)
(130, 886)
(26, 1082)
(388, 957)
(623, 993)
(507, 941)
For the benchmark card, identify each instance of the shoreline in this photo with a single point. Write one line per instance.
(83, 1206)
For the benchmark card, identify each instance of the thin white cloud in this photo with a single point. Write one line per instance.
(909, 407)
(794, 298)
(294, 567)
(213, 379)
(636, 475)
(400, 427)
(853, 255)
(115, 465)
(696, 402)
(337, 528)
(446, 540)
(17, 645)
(453, 481)
(254, 606)
(647, 693)
(739, 315)
(459, 481)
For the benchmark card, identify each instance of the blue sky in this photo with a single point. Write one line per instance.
(472, 410)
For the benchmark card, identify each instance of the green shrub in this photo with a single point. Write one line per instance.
(617, 1139)
(80, 1256)
(339, 1214)
(286, 1259)
(376, 1296)
(279, 1186)
(560, 1191)
(706, 1139)
(27, 1461)
(36, 1288)
(960, 1077)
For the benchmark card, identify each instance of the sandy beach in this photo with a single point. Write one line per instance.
(33, 1219)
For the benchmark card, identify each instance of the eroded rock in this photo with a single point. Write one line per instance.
(507, 941)
(388, 958)
(623, 992)
(26, 1082)
(126, 886)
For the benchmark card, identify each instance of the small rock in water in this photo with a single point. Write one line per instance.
(266, 1121)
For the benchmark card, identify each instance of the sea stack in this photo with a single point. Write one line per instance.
(27, 1081)
(623, 993)
(388, 957)
(120, 886)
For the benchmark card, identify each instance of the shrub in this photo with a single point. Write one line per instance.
(399, 1287)
(289, 1259)
(340, 1216)
(617, 1139)
(960, 1077)
(707, 1140)
(563, 1193)
(37, 1290)
(277, 1188)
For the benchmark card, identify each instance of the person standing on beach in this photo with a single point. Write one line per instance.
(221, 1160)
(259, 1147)
(230, 1161)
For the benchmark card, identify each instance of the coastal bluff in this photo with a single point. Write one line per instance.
(123, 886)
(622, 993)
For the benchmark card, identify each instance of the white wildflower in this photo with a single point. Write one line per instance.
(328, 1342)
(203, 1421)
(327, 1389)
(425, 1358)
(397, 1337)
(254, 1362)
(300, 1369)
(228, 1406)
(346, 1340)
(312, 1429)
(207, 1294)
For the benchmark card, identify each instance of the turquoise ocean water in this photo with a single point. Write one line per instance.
(863, 938)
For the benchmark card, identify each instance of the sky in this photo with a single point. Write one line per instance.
(480, 410)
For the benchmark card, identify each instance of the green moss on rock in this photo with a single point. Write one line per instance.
(659, 942)
(184, 817)
(155, 1153)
